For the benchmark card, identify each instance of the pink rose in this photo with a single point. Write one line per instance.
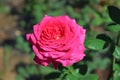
(57, 40)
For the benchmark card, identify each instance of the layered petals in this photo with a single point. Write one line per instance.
(57, 40)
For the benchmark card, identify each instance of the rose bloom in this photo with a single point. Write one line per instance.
(57, 40)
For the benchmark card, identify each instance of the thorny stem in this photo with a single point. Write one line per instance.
(117, 43)
(118, 37)
(71, 69)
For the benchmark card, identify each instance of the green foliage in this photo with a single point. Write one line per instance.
(71, 77)
(31, 69)
(52, 75)
(26, 72)
(22, 72)
(72, 12)
(117, 72)
(98, 20)
(91, 14)
(117, 75)
(114, 13)
(93, 44)
(90, 77)
(113, 28)
(46, 70)
(7, 56)
(19, 77)
(116, 67)
(96, 63)
(22, 45)
(116, 53)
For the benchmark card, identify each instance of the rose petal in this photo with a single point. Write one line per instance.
(33, 39)
(57, 40)
(28, 36)
(42, 62)
(36, 31)
(35, 49)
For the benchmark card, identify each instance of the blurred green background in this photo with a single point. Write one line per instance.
(17, 18)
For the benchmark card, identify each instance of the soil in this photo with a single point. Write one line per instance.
(15, 58)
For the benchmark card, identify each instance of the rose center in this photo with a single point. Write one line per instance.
(53, 33)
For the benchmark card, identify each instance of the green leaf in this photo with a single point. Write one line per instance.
(46, 70)
(71, 77)
(90, 77)
(94, 44)
(32, 69)
(83, 68)
(81, 22)
(26, 47)
(19, 77)
(22, 45)
(116, 67)
(116, 53)
(71, 11)
(23, 72)
(52, 75)
(109, 43)
(113, 28)
(117, 75)
(114, 13)
(104, 37)
(55, 13)
(97, 20)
